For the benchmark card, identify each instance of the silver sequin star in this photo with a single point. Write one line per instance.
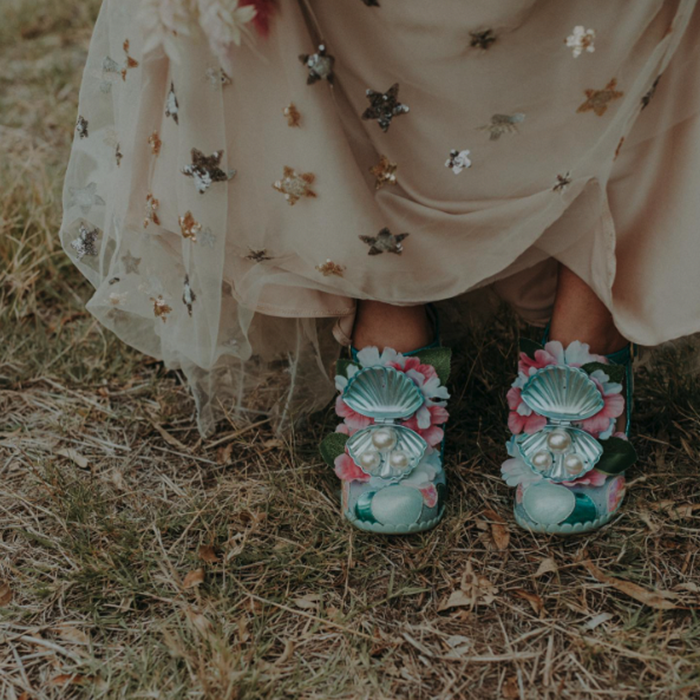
(384, 106)
(205, 170)
(85, 243)
(82, 127)
(384, 241)
(85, 197)
(188, 296)
(319, 65)
(172, 108)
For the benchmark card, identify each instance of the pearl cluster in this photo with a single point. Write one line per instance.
(558, 442)
(384, 440)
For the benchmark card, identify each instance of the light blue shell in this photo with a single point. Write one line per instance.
(382, 393)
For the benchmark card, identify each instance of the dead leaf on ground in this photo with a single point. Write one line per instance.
(74, 456)
(208, 554)
(70, 633)
(547, 566)
(473, 590)
(598, 620)
(535, 601)
(308, 602)
(223, 454)
(5, 594)
(511, 689)
(499, 529)
(194, 578)
(71, 679)
(658, 599)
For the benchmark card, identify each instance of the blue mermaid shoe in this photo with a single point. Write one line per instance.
(565, 459)
(387, 452)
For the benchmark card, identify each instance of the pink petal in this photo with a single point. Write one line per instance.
(430, 495)
(347, 470)
(534, 423)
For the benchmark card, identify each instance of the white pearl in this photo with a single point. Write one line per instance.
(542, 460)
(573, 464)
(399, 460)
(384, 438)
(370, 460)
(559, 441)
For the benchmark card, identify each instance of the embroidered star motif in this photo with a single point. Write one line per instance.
(205, 170)
(295, 185)
(598, 100)
(330, 268)
(85, 243)
(207, 238)
(189, 227)
(384, 172)
(155, 143)
(563, 182)
(218, 78)
(172, 107)
(82, 127)
(292, 114)
(482, 39)
(384, 241)
(188, 296)
(384, 106)
(503, 124)
(319, 65)
(258, 255)
(646, 99)
(152, 205)
(160, 308)
(458, 161)
(85, 197)
(131, 264)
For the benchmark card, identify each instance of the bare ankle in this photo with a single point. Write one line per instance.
(402, 328)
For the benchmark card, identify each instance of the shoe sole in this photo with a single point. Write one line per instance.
(395, 529)
(567, 529)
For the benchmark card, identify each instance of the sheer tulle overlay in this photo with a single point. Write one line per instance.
(230, 206)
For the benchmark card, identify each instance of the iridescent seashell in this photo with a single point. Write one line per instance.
(382, 393)
(407, 443)
(397, 505)
(560, 392)
(548, 504)
(582, 444)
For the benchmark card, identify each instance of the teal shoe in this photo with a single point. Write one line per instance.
(566, 459)
(388, 451)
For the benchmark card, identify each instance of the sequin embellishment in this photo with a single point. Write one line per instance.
(482, 39)
(131, 264)
(581, 40)
(458, 161)
(384, 172)
(85, 197)
(292, 114)
(130, 62)
(155, 143)
(205, 170)
(503, 124)
(160, 308)
(189, 226)
(82, 127)
(598, 100)
(562, 183)
(152, 205)
(384, 106)
(188, 296)
(319, 65)
(295, 185)
(384, 241)
(172, 106)
(258, 256)
(330, 268)
(218, 78)
(85, 243)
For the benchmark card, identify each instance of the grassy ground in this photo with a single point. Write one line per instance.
(138, 561)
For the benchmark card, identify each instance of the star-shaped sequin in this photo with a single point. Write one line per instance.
(502, 124)
(562, 183)
(598, 100)
(258, 255)
(155, 143)
(188, 296)
(189, 226)
(384, 106)
(295, 185)
(131, 264)
(85, 197)
(581, 40)
(384, 172)
(218, 78)
(86, 242)
(458, 161)
(205, 170)
(152, 205)
(207, 238)
(160, 308)
(384, 242)
(129, 62)
(319, 65)
(482, 39)
(292, 114)
(646, 99)
(330, 268)
(172, 106)
(81, 127)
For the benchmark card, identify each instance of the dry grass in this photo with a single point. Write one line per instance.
(139, 562)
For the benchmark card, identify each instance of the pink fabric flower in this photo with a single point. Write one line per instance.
(613, 407)
(347, 470)
(527, 365)
(616, 492)
(430, 495)
(413, 364)
(521, 417)
(353, 419)
(433, 434)
(592, 478)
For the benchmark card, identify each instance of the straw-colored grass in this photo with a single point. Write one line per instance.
(138, 561)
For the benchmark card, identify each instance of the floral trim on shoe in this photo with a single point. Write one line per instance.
(387, 449)
(565, 457)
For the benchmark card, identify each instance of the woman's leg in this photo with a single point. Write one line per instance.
(403, 328)
(580, 315)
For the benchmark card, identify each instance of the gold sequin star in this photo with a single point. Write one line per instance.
(152, 205)
(295, 185)
(160, 308)
(598, 100)
(330, 268)
(385, 172)
(293, 115)
(189, 226)
(155, 143)
(130, 62)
